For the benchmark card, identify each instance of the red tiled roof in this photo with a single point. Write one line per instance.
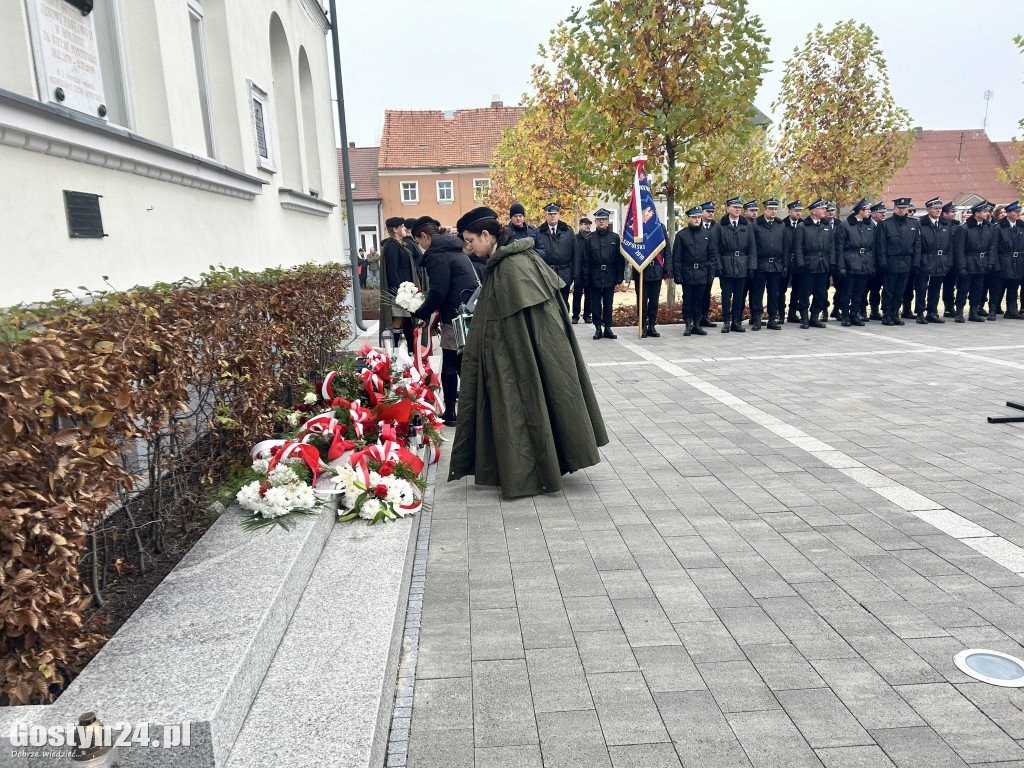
(933, 169)
(1007, 151)
(363, 162)
(429, 139)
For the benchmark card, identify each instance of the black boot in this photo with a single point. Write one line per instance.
(737, 328)
(755, 323)
(844, 319)
(824, 316)
(598, 334)
(705, 323)
(652, 332)
(836, 314)
(643, 334)
(805, 319)
(697, 330)
(895, 316)
(982, 312)
(725, 327)
(857, 320)
(920, 319)
(689, 328)
(907, 314)
(958, 317)
(794, 316)
(992, 315)
(933, 317)
(887, 319)
(448, 417)
(975, 316)
(875, 314)
(608, 334)
(773, 324)
(575, 319)
(815, 321)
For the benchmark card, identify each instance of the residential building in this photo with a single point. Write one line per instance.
(144, 140)
(437, 164)
(367, 204)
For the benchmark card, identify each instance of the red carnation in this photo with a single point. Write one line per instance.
(380, 491)
(264, 487)
(275, 450)
(387, 468)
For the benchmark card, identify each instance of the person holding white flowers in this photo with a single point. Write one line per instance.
(528, 413)
(452, 280)
(399, 267)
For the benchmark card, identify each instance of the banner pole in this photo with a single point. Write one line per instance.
(640, 306)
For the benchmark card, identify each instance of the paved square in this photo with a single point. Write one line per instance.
(788, 538)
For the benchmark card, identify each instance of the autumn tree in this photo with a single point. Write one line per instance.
(1014, 173)
(665, 77)
(541, 159)
(842, 135)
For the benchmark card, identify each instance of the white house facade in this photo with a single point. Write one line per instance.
(144, 140)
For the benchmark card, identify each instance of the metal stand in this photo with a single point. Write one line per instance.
(1008, 419)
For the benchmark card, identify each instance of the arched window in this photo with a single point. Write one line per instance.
(309, 126)
(284, 106)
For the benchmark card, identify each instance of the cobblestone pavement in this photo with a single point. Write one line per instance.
(788, 538)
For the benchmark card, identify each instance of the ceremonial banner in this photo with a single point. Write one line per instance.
(643, 239)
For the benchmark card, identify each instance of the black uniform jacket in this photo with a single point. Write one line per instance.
(694, 256)
(972, 250)
(1009, 247)
(772, 240)
(557, 248)
(898, 244)
(815, 247)
(936, 246)
(855, 248)
(601, 263)
(737, 251)
(452, 277)
(399, 263)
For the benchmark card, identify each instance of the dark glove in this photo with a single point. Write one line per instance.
(751, 272)
(961, 272)
(842, 274)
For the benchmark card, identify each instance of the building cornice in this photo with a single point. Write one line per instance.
(316, 12)
(303, 203)
(51, 130)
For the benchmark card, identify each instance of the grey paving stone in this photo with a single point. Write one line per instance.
(811, 634)
(502, 708)
(589, 614)
(644, 756)
(720, 588)
(544, 624)
(782, 667)
(557, 680)
(572, 739)
(496, 634)
(644, 622)
(750, 626)
(916, 748)
(525, 756)
(854, 757)
(680, 599)
(874, 703)
(626, 710)
(701, 734)
(961, 724)
(708, 641)
(450, 748)
(443, 705)
(771, 740)
(605, 651)
(822, 718)
(736, 686)
(444, 651)
(625, 584)
(668, 668)
(1003, 705)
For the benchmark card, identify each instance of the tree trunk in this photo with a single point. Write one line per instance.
(670, 219)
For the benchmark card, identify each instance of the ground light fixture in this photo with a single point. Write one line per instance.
(992, 667)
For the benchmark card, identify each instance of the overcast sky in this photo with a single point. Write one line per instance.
(408, 54)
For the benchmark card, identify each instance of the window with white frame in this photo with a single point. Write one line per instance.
(481, 188)
(195, 18)
(410, 191)
(113, 70)
(260, 105)
(445, 193)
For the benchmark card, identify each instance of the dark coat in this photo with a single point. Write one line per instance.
(528, 230)
(577, 257)
(558, 249)
(1008, 244)
(898, 244)
(452, 278)
(791, 231)
(399, 263)
(936, 247)
(602, 265)
(815, 247)
(737, 251)
(972, 249)
(694, 256)
(772, 240)
(855, 247)
(527, 411)
(653, 272)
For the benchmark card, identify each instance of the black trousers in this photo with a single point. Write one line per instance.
(996, 287)
(928, 288)
(580, 296)
(873, 292)
(814, 290)
(451, 366)
(647, 315)
(772, 282)
(781, 297)
(705, 301)
(565, 295)
(1013, 295)
(602, 304)
(908, 290)
(893, 286)
(970, 287)
(837, 283)
(949, 291)
(732, 298)
(850, 297)
(798, 294)
(693, 296)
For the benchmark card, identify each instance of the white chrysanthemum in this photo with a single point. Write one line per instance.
(310, 398)
(370, 508)
(249, 496)
(293, 418)
(260, 465)
(283, 474)
(375, 479)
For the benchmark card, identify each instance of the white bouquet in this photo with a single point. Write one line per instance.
(281, 493)
(409, 297)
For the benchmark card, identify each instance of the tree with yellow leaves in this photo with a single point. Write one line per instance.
(1014, 173)
(842, 135)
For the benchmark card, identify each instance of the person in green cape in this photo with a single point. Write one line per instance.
(527, 410)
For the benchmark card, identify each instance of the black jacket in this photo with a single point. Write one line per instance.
(972, 249)
(452, 277)
(898, 244)
(557, 249)
(602, 265)
(1008, 244)
(694, 256)
(772, 241)
(737, 251)
(527, 230)
(399, 263)
(855, 246)
(815, 247)
(936, 246)
(791, 230)
(577, 257)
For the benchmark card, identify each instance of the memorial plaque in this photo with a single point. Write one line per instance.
(67, 56)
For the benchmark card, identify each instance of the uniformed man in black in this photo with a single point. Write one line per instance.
(1008, 243)
(908, 292)
(647, 314)
(559, 243)
(815, 260)
(949, 215)
(855, 262)
(873, 294)
(694, 261)
(937, 238)
(897, 251)
(829, 219)
(772, 240)
(737, 260)
(707, 215)
(794, 209)
(580, 297)
(602, 267)
(750, 214)
(972, 254)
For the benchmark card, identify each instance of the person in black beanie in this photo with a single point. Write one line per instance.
(519, 228)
